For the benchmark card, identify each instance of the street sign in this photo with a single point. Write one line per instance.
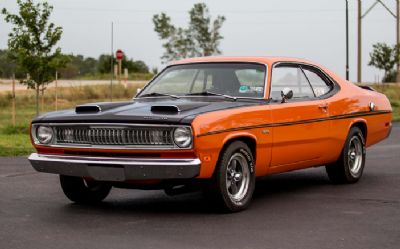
(119, 54)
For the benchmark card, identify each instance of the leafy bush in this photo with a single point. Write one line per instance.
(395, 103)
(90, 93)
(5, 99)
(390, 77)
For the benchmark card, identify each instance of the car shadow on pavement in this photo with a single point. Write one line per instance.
(157, 203)
(289, 183)
(268, 189)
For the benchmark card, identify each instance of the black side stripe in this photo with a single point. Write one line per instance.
(342, 116)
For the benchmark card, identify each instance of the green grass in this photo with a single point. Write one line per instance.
(15, 145)
(392, 91)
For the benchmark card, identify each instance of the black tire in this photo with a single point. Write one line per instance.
(347, 169)
(222, 187)
(84, 192)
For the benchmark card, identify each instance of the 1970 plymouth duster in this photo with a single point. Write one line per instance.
(214, 123)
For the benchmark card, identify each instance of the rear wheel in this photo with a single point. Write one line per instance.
(349, 167)
(79, 190)
(233, 182)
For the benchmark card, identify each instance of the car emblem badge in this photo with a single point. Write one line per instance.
(155, 118)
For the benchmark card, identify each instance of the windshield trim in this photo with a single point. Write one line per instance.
(202, 96)
(137, 96)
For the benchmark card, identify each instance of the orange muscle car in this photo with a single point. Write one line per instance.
(215, 124)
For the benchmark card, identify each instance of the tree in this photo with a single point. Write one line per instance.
(8, 67)
(104, 64)
(134, 66)
(385, 58)
(89, 66)
(201, 38)
(78, 65)
(32, 40)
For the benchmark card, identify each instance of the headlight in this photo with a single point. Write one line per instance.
(44, 134)
(183, 137)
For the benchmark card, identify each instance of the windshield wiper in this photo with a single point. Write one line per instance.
(208, 93)
(155, 94)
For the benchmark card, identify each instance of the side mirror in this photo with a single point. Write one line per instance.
(286, 94)
(138, 90)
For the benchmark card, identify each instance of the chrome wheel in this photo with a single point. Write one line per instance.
(232, 186)
(355, 155)
(350, 165)
(237, 177)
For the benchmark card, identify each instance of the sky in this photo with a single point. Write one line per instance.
(310, 29)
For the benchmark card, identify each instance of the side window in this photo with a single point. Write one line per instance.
(319, 85)
(293, 78)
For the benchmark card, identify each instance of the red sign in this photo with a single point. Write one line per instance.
(119, 54)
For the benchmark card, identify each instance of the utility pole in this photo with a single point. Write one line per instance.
(42, 108)
(398, 37)
(119, 71)
(347, 39)
(56, 93)
(112, 61)
(13, 112)
(359, 50)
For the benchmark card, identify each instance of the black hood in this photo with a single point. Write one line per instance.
(146, 110)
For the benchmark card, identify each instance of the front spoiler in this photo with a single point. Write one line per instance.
(115, 168)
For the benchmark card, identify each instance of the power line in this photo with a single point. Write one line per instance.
(359, 32)
(373, 6)
(185, 11)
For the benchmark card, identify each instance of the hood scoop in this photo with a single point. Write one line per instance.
(99, 107)
(173, 108)
(165, 108)
(87, 108)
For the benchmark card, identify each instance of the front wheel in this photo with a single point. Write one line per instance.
(82, 191)
(349, 167)
(233, 182)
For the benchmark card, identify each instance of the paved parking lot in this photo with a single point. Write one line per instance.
(293, 210)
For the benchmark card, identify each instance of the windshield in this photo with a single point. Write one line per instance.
(233, 79)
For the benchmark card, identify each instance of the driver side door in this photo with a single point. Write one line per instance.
(301, 127)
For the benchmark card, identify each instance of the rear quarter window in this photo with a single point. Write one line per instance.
(320, 86)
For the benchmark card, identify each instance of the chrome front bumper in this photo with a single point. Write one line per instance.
(114, 168)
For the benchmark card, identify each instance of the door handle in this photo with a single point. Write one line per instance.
(323, 107)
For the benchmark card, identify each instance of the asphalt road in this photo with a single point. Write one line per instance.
(293, 210)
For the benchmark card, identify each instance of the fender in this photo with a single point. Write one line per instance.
(262, 155)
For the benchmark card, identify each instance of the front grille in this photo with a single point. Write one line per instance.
(122, 136)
